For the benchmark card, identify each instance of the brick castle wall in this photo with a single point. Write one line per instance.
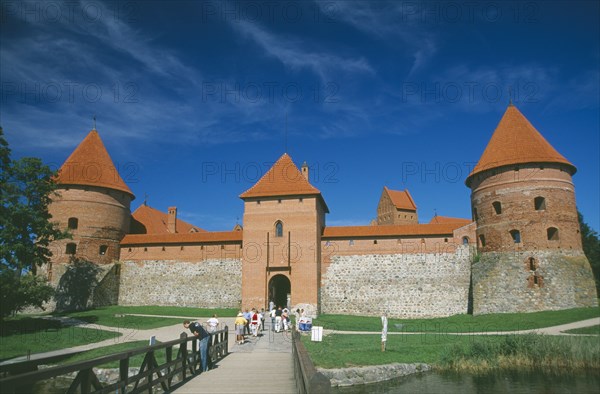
(505, 282)
(404, 285)
(213, 283)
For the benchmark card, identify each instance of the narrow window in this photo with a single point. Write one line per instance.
(532, 264)
(145, 249)
(258, 202)
(516, 236)
(497, 207)
(73, 223)
(129, 250)
(279, 229)
(552, 233)
(374, 242)
(279, 201)
(71, 248)
(475, 216)
(102, 250)
(163, 249)
(181, 248)
(482, 240)
(465, 240)
(445, 239)
(539, 203)
(351, 242)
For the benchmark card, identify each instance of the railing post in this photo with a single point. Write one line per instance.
(184, 357)
(124, 371)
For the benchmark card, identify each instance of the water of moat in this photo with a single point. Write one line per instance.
(490, 383)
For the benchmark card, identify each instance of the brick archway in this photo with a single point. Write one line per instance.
(279, 288)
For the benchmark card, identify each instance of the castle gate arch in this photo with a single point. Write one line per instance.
(279, 288)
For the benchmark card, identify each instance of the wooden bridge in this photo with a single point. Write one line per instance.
(270, 363)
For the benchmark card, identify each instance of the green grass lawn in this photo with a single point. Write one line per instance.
(451, 351)
(460, 323)
(22, 334)
(342, 351)
(117, 316)
(592, 330)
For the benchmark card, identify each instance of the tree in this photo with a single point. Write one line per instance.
(591, 248)
(26, 187)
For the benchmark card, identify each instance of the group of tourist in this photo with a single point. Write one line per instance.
(250, 322)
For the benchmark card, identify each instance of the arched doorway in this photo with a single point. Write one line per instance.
(279, 288)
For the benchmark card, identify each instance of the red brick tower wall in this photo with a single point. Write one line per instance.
(532, 199)
(102, 220)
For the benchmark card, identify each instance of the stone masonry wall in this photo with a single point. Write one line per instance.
(207, 284)
(504, 282)
(404, 285)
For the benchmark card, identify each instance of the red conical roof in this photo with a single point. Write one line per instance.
(283, 179)
(516, 141)
(91, 165)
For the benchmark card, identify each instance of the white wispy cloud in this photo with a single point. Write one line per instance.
(388, 21)
(293, 53)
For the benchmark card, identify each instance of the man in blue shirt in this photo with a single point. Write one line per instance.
(200, 333)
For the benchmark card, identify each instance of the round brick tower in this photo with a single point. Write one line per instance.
(93, 203)
(528, 237)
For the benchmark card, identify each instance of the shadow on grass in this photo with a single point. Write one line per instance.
(28, 325)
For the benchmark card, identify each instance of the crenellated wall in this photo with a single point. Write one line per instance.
(404, 285)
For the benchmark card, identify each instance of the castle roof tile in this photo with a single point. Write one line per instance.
(182, 238)
(516, 141)
(446, 219)
(282, 179)
(154, 221)
(91, 165)
(401, 199)
(391, 230)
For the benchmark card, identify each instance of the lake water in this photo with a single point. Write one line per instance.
(492, 383)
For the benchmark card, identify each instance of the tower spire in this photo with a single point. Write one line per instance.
(94, 117)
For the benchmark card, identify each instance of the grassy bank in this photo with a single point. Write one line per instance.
(119, 316)
(557, 354)
(21, 335)
(460, 323)
(473, 353)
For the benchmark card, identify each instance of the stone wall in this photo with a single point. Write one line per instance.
(404, 285)
(506, 282)
(207, 284)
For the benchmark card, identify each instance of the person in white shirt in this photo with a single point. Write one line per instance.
(213, 324)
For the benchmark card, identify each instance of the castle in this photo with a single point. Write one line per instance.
(520, 252)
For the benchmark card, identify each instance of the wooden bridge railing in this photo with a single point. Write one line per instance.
(308, 379)
(177, 368)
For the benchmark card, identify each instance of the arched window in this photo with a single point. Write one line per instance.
(516, 236)
(552, 233)
(71, 248)
(482, 240)
(102, 250)
(73, 223)
(497, 207)
(539, 203)
(279, 229)
(465, 240)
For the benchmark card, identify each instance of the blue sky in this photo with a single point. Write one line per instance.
(192, 97)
